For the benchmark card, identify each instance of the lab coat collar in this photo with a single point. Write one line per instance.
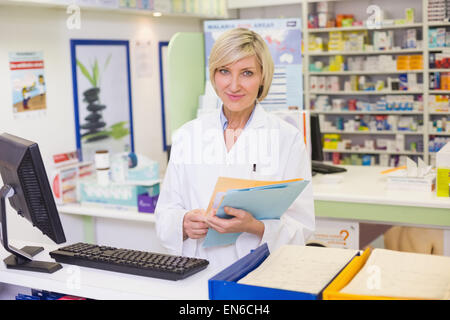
(258, 120)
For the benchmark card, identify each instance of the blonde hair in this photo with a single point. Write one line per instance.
(239, 43)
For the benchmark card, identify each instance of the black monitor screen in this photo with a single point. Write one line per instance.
(21, 168)
(316, 139)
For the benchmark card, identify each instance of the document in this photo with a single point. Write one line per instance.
(300, 268)
(224, 184)
(267, 201)
(389, 273)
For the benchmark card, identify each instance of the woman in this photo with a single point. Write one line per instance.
(240, 140)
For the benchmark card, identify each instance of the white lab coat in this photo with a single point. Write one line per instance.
(199, 157)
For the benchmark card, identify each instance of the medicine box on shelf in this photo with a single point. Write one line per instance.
(225, 286)
(120, 194)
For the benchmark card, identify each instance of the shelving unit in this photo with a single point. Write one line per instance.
(363, 28)
(368, 112)
(365, 93)
(216, 9)
(424, 115)
(349, 73)
(363, 53)
(363, 151)
(387, 132)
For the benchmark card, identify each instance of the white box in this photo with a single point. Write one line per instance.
(336, 234)
(384, 160)
(426, 184)
(443, 157)
(321, 84)
(326, 7)
(313, 83)
(400, 142)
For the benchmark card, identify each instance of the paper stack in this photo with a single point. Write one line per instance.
(300, 268)
(403, 275)
(416, 177)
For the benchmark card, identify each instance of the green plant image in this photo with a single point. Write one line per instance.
(94, 77)
(95, 125)
(117, 131)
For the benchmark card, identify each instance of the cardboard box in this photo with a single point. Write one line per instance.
(64, 180)
(147, 203)
(118, 194)
(336, 234)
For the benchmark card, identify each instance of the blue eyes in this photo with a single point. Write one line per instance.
(245, 73)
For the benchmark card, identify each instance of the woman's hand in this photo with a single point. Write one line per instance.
(242, 221)
(194, 225)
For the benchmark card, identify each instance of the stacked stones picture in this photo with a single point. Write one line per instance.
(94, 125)
(102, 96)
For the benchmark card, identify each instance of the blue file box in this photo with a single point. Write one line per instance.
(224, 286)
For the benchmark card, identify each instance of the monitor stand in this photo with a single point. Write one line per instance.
(21, 259)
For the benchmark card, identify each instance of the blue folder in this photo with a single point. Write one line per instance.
(225, 286)
(266, 202)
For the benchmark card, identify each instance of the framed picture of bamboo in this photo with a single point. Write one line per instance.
(102, 96)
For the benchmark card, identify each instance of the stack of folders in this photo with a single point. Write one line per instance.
(300, 268)
(402, 275)
(263, 199)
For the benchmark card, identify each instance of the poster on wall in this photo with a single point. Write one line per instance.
(102, 96)
(142, 58)
(284, 38)
(28, 84)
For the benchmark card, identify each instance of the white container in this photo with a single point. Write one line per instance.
(119, 168)
(103, 177)
(101, 159)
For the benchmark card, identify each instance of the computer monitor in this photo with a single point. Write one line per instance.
(316, 139)
(28, 190)
(317, 165)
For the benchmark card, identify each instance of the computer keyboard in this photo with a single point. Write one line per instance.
(141, 263)
(320, 167)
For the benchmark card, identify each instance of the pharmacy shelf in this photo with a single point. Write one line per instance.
(361, 151)
(438, 24)
(440, 134)
(425, 94)
(361, 53)
(441, 113)
(439, 70)
(361, 72)
(361, 28)
(438, 49)
(364, 93)
(109, 8)
(103, 211)
(369, 112)
(372, 132)
(431, 91)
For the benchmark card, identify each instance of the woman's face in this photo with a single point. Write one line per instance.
(237, 84)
